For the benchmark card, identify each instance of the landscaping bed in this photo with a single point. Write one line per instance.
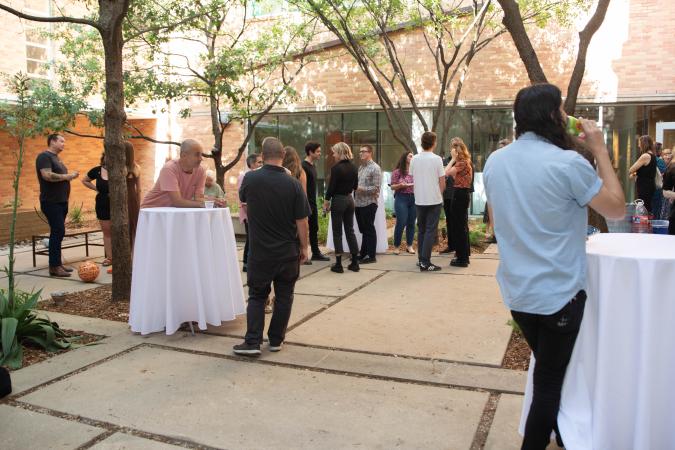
(33, 354)
(517, 355)
(96, 302)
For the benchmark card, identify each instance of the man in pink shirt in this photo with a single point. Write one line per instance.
(181, 181)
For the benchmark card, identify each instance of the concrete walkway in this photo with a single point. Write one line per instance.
(384, 358)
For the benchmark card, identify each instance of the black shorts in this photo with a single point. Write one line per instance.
(103, 209)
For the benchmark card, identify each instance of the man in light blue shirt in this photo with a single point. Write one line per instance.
(538, 191)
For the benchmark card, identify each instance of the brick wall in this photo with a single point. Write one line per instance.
(80, 154)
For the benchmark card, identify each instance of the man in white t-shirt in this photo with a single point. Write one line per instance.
(429, 179)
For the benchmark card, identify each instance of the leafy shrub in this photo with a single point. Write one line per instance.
(76, 216)
(20, 324)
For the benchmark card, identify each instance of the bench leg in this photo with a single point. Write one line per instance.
(34, 263)
(86, 243)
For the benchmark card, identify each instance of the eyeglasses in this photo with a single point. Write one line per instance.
(364, 151)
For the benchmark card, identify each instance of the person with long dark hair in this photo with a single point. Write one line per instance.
(402, 184)
(539, 189)
(644, 171)
(461, 171)
(97, 180)
(344, 180)
(133, 190)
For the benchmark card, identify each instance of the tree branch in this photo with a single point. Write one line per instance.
(62, 19)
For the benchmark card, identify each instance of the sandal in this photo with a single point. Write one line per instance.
(107, 262)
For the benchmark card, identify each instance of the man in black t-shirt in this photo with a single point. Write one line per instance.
(54, 182)
(313, 151)
(277, 211)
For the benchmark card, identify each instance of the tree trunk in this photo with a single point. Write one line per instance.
(112, 13)
(585, 37)
(513, 21)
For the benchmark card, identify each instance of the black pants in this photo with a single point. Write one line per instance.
(447, 208)
(342, 213)
(551, 339)
(427, 225)
(365, 218)
(245, 259)
(56, 217)
(314, 229)
(260, 277)
(460, 223)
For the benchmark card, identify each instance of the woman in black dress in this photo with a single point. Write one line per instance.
(99, 175)
(644, 171)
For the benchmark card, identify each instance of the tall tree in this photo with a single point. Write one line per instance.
(372, 32)
(108, 21)
(513, 21)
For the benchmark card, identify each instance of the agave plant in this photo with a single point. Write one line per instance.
(21, 324)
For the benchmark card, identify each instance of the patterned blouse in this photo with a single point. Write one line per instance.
(464, 174)
(396, 178)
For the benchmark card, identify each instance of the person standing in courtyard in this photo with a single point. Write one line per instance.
(461, 171)
(253, 162)
(427, 171)
(402, 184)
(365, 200)
(313, 153)
(542, 268)
(277, 210)
(97, 180)
(181, 181)
(54, 180)
(344, 179)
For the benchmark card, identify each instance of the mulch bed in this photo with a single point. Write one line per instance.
(517, 355)
(96, 302)
(34, 355)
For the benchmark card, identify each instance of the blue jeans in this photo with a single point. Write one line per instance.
(404, 207)
(56, 216)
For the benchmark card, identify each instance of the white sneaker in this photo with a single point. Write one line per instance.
(276, 348)
(410, 250)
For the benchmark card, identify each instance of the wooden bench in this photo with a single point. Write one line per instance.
(76, 233)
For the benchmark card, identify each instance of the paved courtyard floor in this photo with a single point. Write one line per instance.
(385, 358)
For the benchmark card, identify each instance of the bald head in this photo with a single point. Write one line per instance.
(272, 149)
(191, 153)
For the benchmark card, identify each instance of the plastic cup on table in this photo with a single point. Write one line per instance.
(208, 204)
(659, 226)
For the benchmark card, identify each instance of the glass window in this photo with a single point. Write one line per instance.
(489, 127)
(268, 126)
(454, 123)
(390, 150)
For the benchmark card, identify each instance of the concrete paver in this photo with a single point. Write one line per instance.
(121, 441)
(325, 282)
(214, 401)
(406, 314)
(32, 283)
(21, 429)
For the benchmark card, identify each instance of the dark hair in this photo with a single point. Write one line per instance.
(272, 148)
(129, 157)
(103, 159)
(292, 161)
(645, 144)
(402, 163)
(537, 109)
(367, 147)
(428, 140)
(250, 159)
(311, 146)
(52, 137)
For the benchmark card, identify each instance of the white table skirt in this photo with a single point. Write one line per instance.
(619, 388)
(380, 229)
(185, 269)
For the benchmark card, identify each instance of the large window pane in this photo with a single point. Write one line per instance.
(454, 123)
(268, 126)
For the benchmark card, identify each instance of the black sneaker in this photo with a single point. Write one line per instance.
(367, 260)
(320, 257)
(429, 268)
(246, 349)
(354, 265)
(337, 268)
(456, 262)
(276, 348)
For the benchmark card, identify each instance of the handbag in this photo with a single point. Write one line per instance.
(658, 180)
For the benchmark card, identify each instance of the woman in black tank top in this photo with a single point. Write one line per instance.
(644, 171)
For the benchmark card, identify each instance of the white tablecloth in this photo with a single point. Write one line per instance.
(380, 229)
(619, 389)
(185, 269)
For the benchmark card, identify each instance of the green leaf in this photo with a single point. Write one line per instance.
(8, 334)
